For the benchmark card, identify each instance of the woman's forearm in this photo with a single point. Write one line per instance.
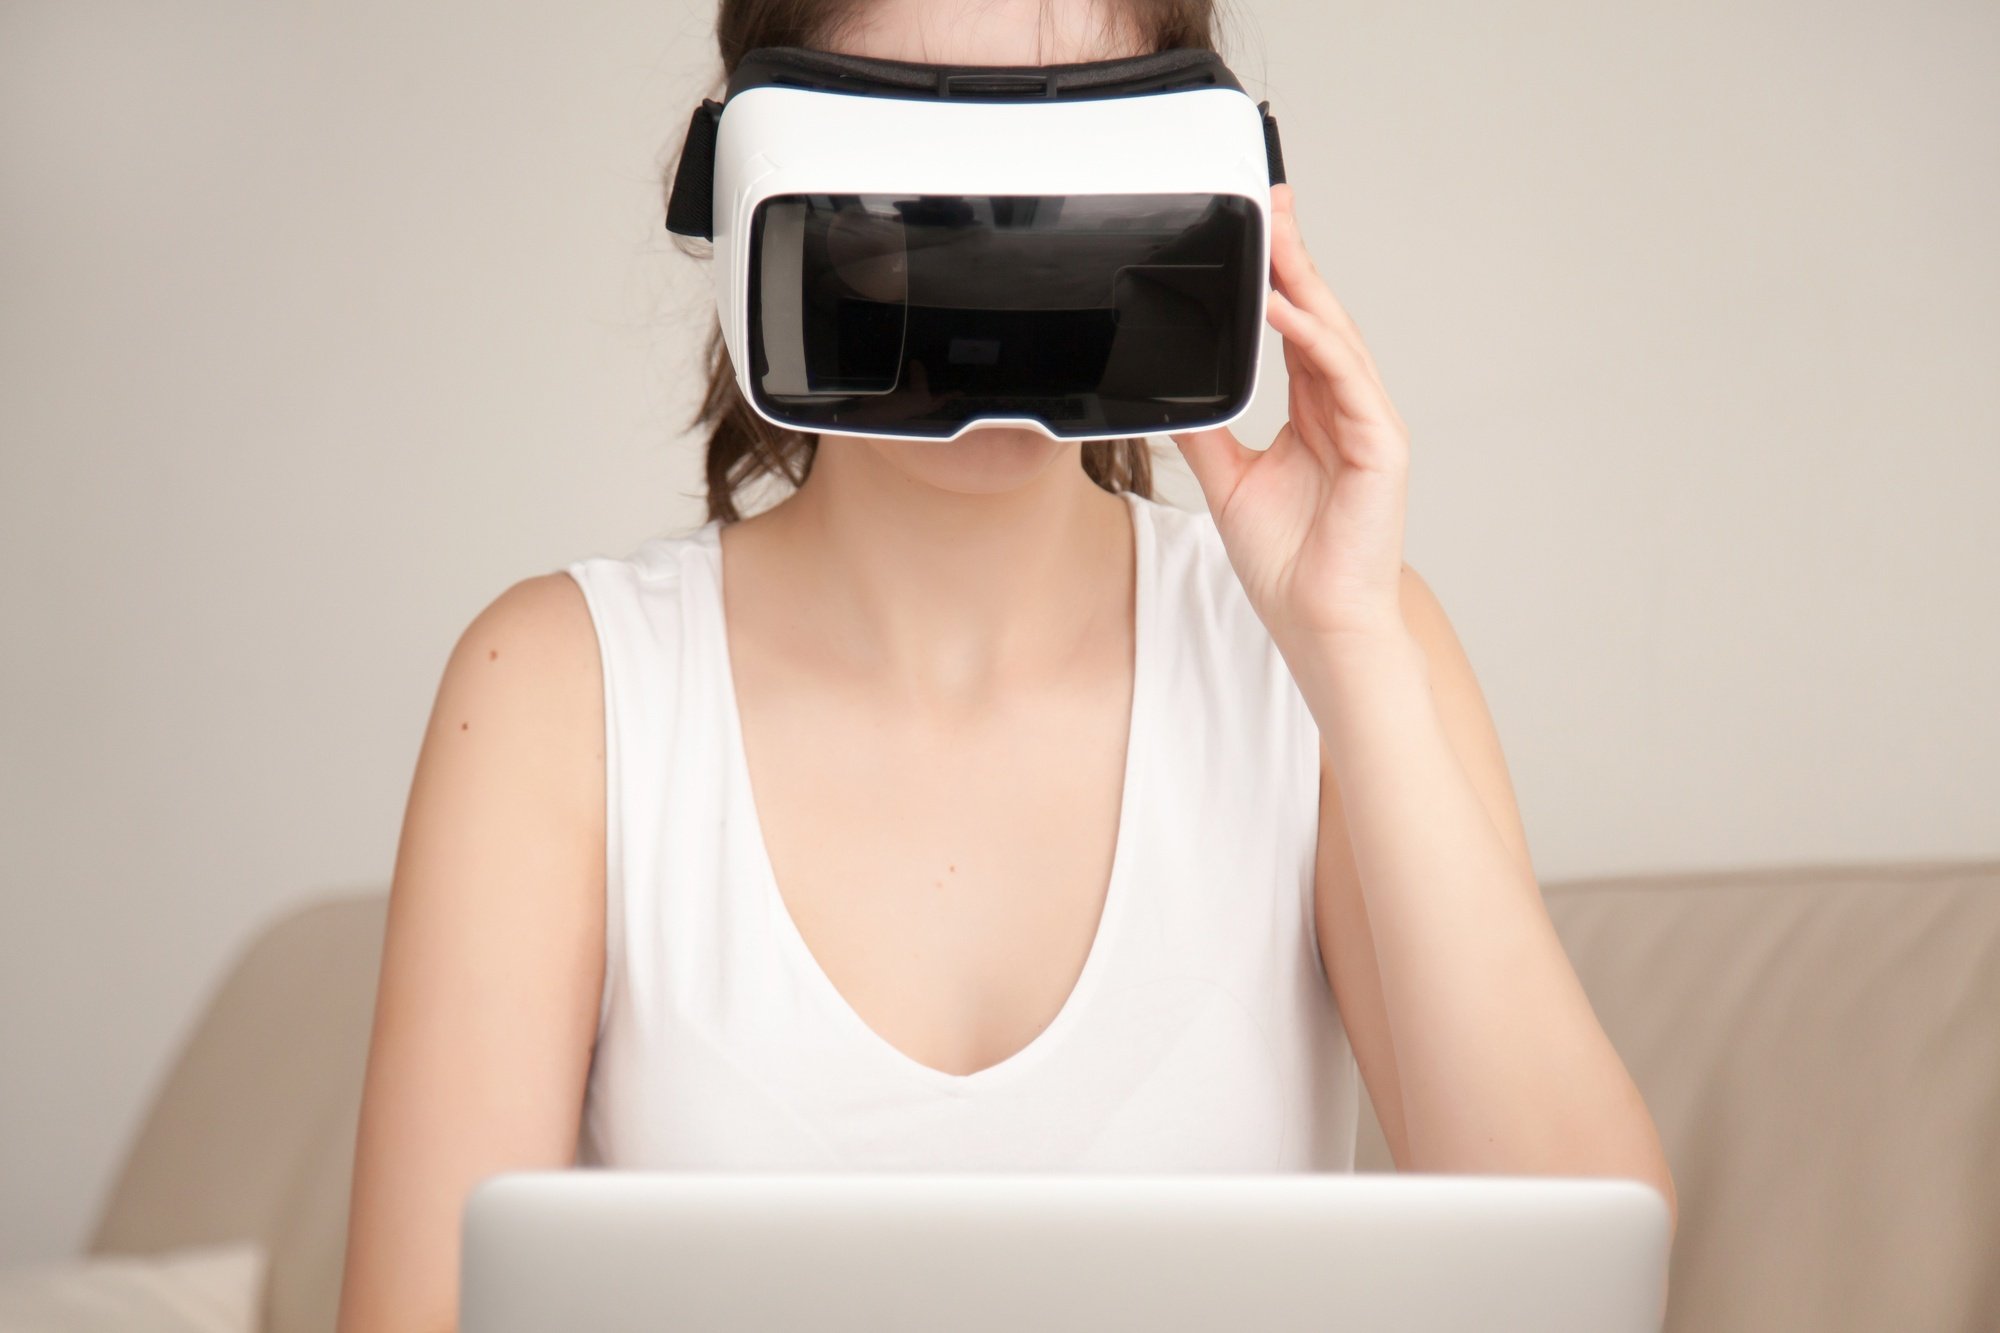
(1502, 1064)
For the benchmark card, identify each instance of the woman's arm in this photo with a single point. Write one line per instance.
(1479, 1047)
(1473, 1033)
(486, 1012)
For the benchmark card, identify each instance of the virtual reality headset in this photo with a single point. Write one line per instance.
(911, 250)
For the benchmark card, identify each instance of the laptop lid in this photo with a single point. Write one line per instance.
(612, 1251)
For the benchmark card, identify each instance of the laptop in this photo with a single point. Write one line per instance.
(594, 1250)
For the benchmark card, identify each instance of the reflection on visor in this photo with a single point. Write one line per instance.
(913, 314)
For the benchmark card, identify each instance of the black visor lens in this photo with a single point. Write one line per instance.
(899, 314)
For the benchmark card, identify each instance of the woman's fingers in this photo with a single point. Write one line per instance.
(1217, 459)
(1327, 353)
(1293, 267)
(1362, 423)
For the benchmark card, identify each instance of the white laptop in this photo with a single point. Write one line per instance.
(600, 1251)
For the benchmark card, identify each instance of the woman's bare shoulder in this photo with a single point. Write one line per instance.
(526, 670)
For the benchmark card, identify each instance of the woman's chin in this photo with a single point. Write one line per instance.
(983, 460)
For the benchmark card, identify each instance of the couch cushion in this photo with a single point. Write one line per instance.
(252, 1135)
(197, 1289)
(1820, 1048)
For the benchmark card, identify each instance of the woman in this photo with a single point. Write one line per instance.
(1087, 832)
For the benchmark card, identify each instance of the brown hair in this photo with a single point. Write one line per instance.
(742, 446)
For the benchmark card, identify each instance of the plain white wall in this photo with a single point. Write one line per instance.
(322, 325)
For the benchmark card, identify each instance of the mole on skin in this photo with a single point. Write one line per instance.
(491, 655)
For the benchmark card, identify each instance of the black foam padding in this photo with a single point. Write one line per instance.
(1274, 155)
(1119, 76)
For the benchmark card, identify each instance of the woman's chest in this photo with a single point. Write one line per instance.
(947, 883)
(1197, 1032)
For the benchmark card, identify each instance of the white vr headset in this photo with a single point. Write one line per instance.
(908, 250)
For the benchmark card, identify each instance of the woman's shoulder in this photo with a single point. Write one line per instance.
(649, 600)
(1191, 561)
(1182, 524)
(1203, 609)
(662, 557)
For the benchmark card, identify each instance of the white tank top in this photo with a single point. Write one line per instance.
(1201, 1034)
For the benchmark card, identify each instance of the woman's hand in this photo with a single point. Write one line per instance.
(1314, 524)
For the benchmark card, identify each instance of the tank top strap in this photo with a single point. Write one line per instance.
(662, 751)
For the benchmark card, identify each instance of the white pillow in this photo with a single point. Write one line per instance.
(198, 1289)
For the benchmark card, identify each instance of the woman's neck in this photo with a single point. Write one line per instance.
(947, 593)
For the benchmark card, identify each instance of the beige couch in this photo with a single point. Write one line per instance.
(1820, 1047)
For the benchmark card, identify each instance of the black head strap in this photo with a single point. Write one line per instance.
(691, 204)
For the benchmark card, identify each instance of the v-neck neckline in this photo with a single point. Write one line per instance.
(1140, 727)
